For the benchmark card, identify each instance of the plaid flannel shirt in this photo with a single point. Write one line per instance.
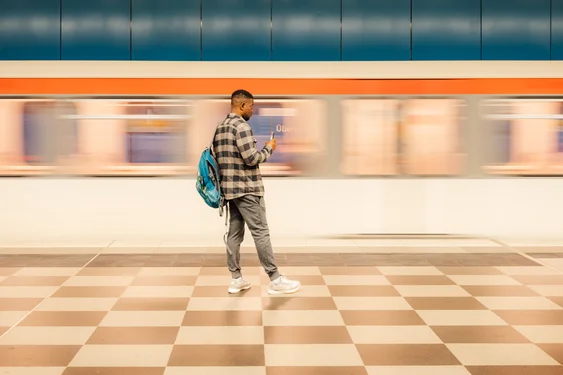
(234, 147)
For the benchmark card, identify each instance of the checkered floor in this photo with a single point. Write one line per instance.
(350, 320)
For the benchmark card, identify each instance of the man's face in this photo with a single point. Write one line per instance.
(246, 109)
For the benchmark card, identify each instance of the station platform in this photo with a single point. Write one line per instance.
(385, 306)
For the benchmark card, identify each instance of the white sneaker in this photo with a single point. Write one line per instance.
(283, 285)
(238, 285)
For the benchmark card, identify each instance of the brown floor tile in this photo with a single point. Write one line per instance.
(470, 271)
(89, 291)
(499, 290)
(445, 303)
(299, 303)
(151, 304)
(43, 260)
(412, 259)
(407, 355)
(19, 304)
(120, 260)
(114, 371)
(381, 318)
(134, 336)
(64, 318)
(8, 271)
(442, 260)
(363, 291)
(531, 317)
(164, 281)
(34, 281)
(222, 271)
(109, 271)
(539, 279)
(316, 371)
(334, 271)
(191, 260)
(557, 300)
(306, 335)
(515, 370)
(37, 356)
(222, 318)
(3, 330)
(221, 291)
(553, 350)
(361, 259)
(420, 280)
(479, 335)
(217, 355)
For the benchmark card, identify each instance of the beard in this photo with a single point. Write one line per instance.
(246, 117)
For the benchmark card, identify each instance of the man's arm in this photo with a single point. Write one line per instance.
(247, 147)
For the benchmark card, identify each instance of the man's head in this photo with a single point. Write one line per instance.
(241, 104)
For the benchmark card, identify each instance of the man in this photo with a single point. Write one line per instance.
(239, 162)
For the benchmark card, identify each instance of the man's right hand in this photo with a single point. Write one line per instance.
(272, 144)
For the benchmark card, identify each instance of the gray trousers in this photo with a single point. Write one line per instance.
(251, 210)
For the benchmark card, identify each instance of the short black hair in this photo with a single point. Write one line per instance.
(240, 95)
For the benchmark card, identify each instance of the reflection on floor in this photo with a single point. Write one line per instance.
(395, 311)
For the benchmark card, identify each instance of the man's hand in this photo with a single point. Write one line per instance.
(272, 144)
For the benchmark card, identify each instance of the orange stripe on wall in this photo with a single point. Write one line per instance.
(219, 86)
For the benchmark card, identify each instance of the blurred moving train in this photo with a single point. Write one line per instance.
(362, 149)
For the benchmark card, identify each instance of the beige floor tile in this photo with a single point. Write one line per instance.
(47, 271)
(209, 370)
(426, 280)
(356, 270)
(9, 271)
(47, 336)
(417, 370)
(520, 271)
(381, 318)
(431, 291)
(393, 335)
(548, 290)
(26, 291)
(169, 271)
(407, 271)
(204, 303)
(158, 292)
(143, 319)
(518, 303)
(304, 291)
(500, 354)
(355, 280)
(224, 272)
(10, 318)
(122, 355)
(302, 318)
(542, 334)
(291, 271)
(371, 303)
(445, 303)
(77, 304)
(232, 335)
(32, 370)
(312, 355)
(483, 280)
(224, 280)
(99, 281)
(121, 370)
(363, 291)
(298, 303)
(461, 318)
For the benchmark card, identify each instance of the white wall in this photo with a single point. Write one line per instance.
(170, 209)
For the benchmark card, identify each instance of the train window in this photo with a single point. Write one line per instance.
(371, 140)
(298, 126)
(526, 136)
(393, 136)
(431, 137)
(133, 137)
